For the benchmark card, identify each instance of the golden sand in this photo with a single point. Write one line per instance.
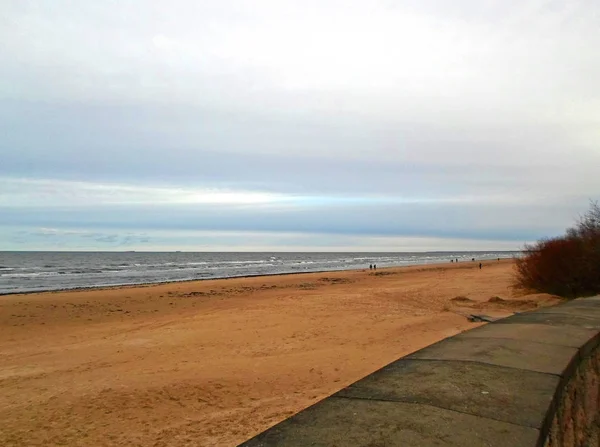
(212, 363)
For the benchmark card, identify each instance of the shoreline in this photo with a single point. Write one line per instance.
(214, 362)
(219, 278)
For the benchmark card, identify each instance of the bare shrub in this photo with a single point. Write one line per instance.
(567, 266)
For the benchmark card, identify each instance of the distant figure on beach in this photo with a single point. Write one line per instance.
(374, 266)
(451, 260)
(472, 259)
(370, 266)
(456, 259)
(480, 266)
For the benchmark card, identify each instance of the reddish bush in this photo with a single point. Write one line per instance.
(568, 266)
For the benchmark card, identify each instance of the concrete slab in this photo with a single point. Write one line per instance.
(552, 319)
(490, 386)
(575, 308)
(505, 394)
(526, 355)
(553, 335)
(340, 422)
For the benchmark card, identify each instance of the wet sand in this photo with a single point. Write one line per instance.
(212, 363)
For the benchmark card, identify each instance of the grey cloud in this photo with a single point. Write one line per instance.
(379, 102)
(108, 239)
(476, 221)
(65, 236)
(345, 156)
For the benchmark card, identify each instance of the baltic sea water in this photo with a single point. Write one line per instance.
(42, 271)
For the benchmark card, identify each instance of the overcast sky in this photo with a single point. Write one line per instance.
(296, 125)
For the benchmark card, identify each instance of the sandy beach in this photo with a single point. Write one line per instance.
(212, 363)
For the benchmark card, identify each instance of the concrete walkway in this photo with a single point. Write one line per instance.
(496, 385)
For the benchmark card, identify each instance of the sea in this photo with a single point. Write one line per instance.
(22, 272)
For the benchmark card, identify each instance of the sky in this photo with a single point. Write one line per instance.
(284, 125)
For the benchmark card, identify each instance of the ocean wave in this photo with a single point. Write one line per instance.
(255, 261)
(30, 274)
(35, 272)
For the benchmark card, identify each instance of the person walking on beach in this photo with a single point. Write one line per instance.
(374, 266)
(480, 266)
(370, 266)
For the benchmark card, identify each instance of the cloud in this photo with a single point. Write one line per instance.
(466, 119)
(74, 238)
(34, 192)
(198, 240)
(453, 218)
